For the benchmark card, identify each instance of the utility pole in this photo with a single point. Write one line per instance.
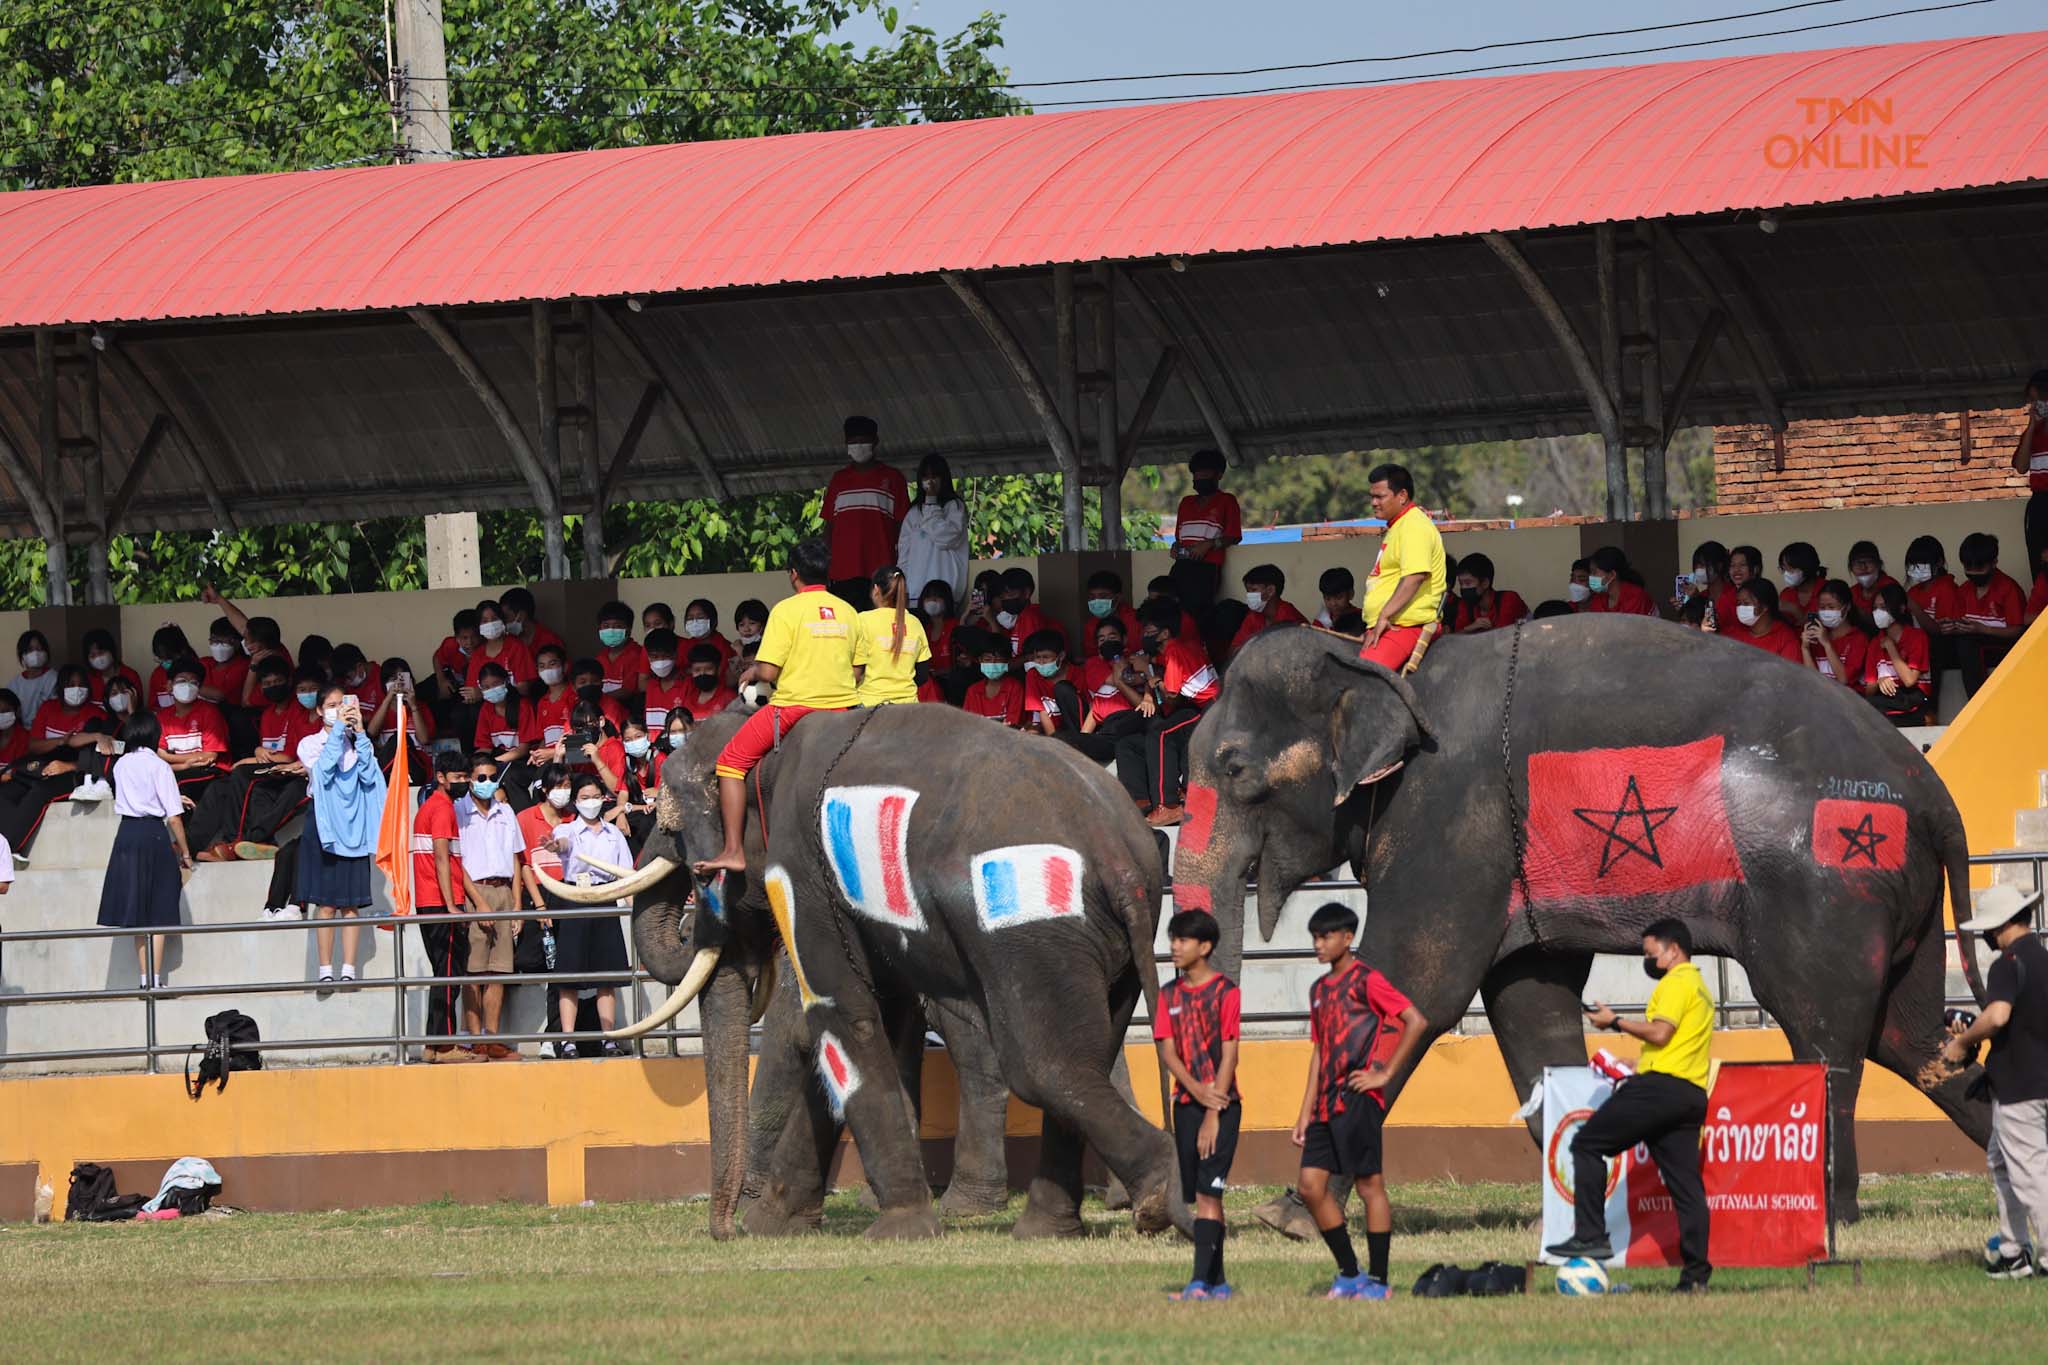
(419, 97)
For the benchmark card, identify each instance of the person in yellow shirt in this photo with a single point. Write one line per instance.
(889, 643)
(1661, 1106)
(1406, 587)
(806, 650)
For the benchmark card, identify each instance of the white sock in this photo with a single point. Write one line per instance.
(159, 983)
(326, 969)
(348, 973)
(142, 984)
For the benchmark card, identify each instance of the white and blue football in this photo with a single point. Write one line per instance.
(1579, 1277)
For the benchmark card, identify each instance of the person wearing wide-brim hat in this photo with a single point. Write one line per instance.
(2015, 1019)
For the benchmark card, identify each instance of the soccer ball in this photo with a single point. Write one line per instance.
(1579, 1277)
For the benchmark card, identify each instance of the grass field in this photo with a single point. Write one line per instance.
(645, 1281)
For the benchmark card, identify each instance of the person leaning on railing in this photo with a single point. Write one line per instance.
(144, 871)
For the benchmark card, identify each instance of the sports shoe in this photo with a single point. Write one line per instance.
(268, 915)
(290, 912)
(252, 852)
(1221, 1292)
(448, 1055)
(612, 1049)
(2015, 1267)
(1195, 1290)
(1359, 1286)
(326, 987)
(1592, 1248)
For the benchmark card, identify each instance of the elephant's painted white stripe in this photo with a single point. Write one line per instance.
(782, 904)
(838, 1072)
(1027, 883)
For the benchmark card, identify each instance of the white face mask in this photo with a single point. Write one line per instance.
(1006, 619)
(333, 715)
(559, 798)
(1864, 580)
(221, 650)
(1830, 617)
(1577, 592)
(1919, 573)
(35, 658)
(661, 668)
(860, 452)
(1746, 614)
(2041, 408)
(491, 630)
(101, 662)
(7, 719)
(590, 807)
(515, 627)
(697, 629)
(1881, 618)
(551, 676)
(184, 693)
(750, 635)
(1792, 578)
(75, 696)
(118, 703)
(1255, 600)
(934, 606)
(1699, 578)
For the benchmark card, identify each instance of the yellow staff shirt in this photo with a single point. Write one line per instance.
(1682, 999)
(888, 679)
(1411, 545)
(810, 638)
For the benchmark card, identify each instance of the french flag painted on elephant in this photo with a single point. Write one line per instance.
(1027, 884)
(1628, 822)
(867, 841)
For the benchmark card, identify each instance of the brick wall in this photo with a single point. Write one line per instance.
(1867, 462)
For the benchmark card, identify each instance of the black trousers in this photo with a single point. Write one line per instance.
(248, 803)
(1152, 762)
(1195, 582)
(1100, 743)
(2036, 524)
(1977, 655)
(1664, 1113)
(1909, 706)
(447, 948)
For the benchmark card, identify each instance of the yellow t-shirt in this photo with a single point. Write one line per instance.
(810, 638)
(1411, 545)
(888, 680)
(1681, 997)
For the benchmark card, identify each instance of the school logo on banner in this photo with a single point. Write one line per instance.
(1867, 836)
(1628, 822)
(1026, 883)
(867, 842)
(782, 904)
(838, 1072)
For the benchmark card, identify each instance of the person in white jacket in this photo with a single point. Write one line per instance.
(933, 541)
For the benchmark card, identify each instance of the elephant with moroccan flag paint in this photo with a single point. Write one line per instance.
(1531, 797)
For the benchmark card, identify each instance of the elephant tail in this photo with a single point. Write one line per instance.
(1138, 917)
(1955, 861)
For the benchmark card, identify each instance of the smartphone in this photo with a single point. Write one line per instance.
(406, 678)
(1681, 587)
(1586, 1008)
(976, 598)
(120, 746)
(351, 700)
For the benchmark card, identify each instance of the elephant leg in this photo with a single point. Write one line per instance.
(906, 1023)
(1532, 1001)
(1910, 1034)
(1114, 1195)
(792, 1194)
(783, 1075)
(1052, 1202)
(981, 1176)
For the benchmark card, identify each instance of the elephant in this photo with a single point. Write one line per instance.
(1532, 796)
(900, 859)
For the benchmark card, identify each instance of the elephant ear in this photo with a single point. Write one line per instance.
(1376, 720)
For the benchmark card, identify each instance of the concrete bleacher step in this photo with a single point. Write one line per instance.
(2030, 829)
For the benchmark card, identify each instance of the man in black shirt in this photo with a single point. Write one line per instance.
(2015, 1019)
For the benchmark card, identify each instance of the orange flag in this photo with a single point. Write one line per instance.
(394, 832)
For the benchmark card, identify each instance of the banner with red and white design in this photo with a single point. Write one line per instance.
(1763, 1158)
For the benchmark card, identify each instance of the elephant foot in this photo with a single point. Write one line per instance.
(770, 1215)
(1037, 1223)
(1288, 1216)
(904, 1224)
(1160, 1208)
(963, 1200)
(1115, 1197)
(868, 1200)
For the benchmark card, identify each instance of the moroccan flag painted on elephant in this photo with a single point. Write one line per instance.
(1866, 835)
(1628, 822)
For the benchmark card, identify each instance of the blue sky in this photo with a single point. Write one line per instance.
(1063, 39)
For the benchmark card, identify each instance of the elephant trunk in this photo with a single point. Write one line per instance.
(661, 936)
(1209, 868)
(724, 1007)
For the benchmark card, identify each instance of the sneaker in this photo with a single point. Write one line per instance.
(567, 1051)
(268, 915)
(21, 860)
(1195, 1290)
(290, 912)
(1592, 1248)
(1220, 1292)
(1359, 1286)
(1690, 1287)
(448, 1055)
(2019, 1266)
(254, 852)
(612, 1049)
(91, 790)
(326, 986)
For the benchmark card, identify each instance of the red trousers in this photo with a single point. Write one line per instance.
(1393, 648)
(757, 737)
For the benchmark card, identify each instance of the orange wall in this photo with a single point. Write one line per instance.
(1992, 754)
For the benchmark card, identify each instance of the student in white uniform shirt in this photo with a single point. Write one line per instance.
(143, 878)
(592, 944)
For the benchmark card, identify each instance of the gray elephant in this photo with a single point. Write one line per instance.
(1537, 795)
(902, 856)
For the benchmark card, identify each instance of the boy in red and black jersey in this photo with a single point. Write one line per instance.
(1364, 1032)
(1196, 1029)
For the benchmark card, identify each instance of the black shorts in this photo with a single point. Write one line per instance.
(1349, 1143)
(1200, 1174)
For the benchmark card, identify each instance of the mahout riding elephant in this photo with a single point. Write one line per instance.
(902, 858)
(1534, 796)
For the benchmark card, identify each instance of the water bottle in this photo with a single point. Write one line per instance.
(547, 946)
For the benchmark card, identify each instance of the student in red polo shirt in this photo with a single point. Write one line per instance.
(623, 660)
(1709, 579)
(507, 724)
(1757, 622)
(703, 693)
(1835, 642)
(195, 734)
(2030, 457)
(1153, 763)
(1931, 591)
(700, 627)
(1052, 703)
(1111, 687)
(439, 887)
(68, 750)
(1610, 589)
(1263, 584)
(495, 647)
(998, 694)
(1896, 673)
(1481, 606)
(1020, 618)
(168, 645)
(940, 616)
(1207, 523)
(864, 508)
(1866, 568)
(516, 605)
(105, 663)
(227, 668)
(1994, 611)
(238, 816)
(1105, 599)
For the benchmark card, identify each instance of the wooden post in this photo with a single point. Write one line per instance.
(57, 568)
(98, 589)
(1105, 421)
(1610, 371)
(1655, 499)
(550, 452)
(586, 444)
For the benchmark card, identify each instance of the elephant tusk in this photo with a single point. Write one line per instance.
(764, 991)
(581, 895)
(629, 885)
(622, 873)
(701, 968)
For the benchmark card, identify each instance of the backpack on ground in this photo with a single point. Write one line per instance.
(189, 1186)
(227, 1033)
(93, 1198)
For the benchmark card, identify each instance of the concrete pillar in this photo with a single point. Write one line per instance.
(570, 607)
(453, 560)
(1651, 547)
(66, 627)
(1063, 588)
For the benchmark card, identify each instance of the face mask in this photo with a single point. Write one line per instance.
(704, 682)
(1111, 650)
(1864, 580)
(1830, 617)
(484, 787)
(164, 665)
(1652, 970)
(75, 696)
(491, 630)
(1792, 578)
(221, 650)
(1470, 596)
(1699, 578)
(1099, 607)
(750, 635)
(1577, 592)
(931, 488)
(1979, 579)
(1255, 600)
(1006, 619)
(102, 662)
(697, 629)
(993, 671)
(661, 668)
(1881, 618)
(1919, 573)
(1204, 487)
(590, 807)
(458, 790)
(118, 703)
(559, 798)
(185, 693)
(611, 637)
(936, 606)
(1595, 583)
(7, 719)
(248, 649)
(332, 715)
(515, 627)
(637, 748)
(860, 452)
(676, 738)
(1046, 670)
(276, 692)
(309, 699)
(494, 695)
(1153, 643)
(35, 658)
(2041, 408)
(551, 676)
(1746, 614)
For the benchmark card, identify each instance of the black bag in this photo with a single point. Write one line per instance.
(1440, 1281)
(226, 1033)
(93, 1198)
(190, 1203)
